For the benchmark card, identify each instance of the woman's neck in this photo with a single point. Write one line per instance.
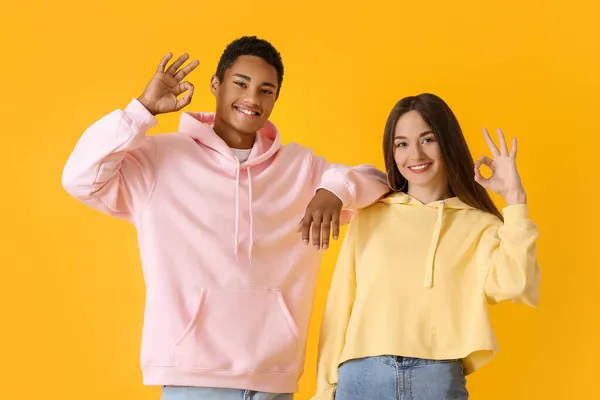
(428, 195)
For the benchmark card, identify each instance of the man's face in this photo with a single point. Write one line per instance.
(246, 95)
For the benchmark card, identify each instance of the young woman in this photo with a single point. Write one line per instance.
(406, 316)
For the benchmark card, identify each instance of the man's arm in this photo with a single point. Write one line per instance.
(112, 166)
(340, 190)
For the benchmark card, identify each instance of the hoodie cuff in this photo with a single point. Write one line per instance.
(140, 117)
(515, 213)
(335, 183)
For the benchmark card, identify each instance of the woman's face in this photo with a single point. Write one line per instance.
(418, 154)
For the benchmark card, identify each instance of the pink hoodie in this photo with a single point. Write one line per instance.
(229, 282)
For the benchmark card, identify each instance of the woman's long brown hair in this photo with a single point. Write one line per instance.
(458, 161)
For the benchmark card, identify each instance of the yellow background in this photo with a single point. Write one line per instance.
(71, 288)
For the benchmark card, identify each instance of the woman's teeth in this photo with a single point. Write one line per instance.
(419, 167)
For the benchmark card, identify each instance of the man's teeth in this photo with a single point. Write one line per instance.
(418, 167)
(247, 112)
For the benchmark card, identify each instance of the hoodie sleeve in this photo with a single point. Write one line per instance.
(510, 253)
(357, 187)
(111, 168)
(336, 318)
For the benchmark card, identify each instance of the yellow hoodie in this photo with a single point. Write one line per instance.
(414, 280)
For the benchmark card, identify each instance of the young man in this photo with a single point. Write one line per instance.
(218, 207)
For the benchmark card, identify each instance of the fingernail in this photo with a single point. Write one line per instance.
(335, 237)
(325, 247)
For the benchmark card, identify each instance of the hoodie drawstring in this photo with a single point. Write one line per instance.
(237, 212)
(237, 209)
(433, 246)
(251, 221)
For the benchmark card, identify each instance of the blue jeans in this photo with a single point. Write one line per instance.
(202, 393)
(401, 378)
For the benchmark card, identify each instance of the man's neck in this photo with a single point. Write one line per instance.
(233, 138)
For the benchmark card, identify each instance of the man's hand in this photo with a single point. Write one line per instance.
(160, 96)
(322, 212)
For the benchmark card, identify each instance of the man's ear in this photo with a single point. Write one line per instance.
(214, 85)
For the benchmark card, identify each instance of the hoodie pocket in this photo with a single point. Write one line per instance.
(240, 329)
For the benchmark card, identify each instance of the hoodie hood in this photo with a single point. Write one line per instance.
(199, 126)
(441, 205)
(403, 198)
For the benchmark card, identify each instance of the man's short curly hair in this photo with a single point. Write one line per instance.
(251, 46)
